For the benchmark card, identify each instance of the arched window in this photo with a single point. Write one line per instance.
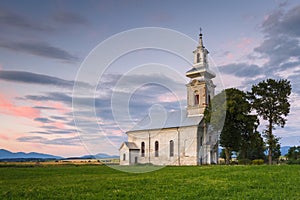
(196, 99)
(156, 148)
(143, 149)
(124, 156)
(201, 141)
(198, 57)
(171, 148)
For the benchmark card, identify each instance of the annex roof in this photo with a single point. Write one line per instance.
(131, 145)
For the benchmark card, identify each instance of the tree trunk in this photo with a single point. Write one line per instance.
(227, 154)
(270, 143)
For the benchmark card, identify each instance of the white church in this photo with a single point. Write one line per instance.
(181, 137)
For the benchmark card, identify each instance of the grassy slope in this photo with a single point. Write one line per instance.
(101, 182)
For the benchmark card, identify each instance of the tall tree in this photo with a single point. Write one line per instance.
(228, 114)
(270, 100)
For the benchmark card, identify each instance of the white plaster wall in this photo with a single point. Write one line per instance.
(132, 155)
(185, 145)
(124, 149)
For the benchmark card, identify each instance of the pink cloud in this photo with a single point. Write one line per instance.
(7, 107)
(4, 137)
(169, 97)
(57, 105)
(58, 125)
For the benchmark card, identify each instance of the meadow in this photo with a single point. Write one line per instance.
(186, 182)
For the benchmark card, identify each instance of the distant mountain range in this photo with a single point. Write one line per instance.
(97, 156)
(20, 156)
(4, 154)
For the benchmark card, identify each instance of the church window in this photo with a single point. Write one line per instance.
(201, 141)
(196, 99)
(156, 148)
(143, 149)
(171, 148)
(124, 156)
(198, 57)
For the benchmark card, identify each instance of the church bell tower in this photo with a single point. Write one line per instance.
(200, 89)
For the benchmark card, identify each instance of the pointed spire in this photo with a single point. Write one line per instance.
(200, 38)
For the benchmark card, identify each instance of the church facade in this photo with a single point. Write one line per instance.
(181, 137)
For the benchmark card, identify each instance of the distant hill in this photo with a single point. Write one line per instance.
(4, 154)
(97, 156)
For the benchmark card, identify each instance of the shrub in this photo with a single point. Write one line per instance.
(293, 162)
(244, 161)
(258, 162)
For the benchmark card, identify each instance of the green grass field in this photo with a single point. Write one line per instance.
(102, 182)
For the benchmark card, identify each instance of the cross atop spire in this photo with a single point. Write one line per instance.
(200, 38)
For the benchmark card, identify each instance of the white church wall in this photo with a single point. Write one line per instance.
(124, 155)
(133, 156)
(188, 145)
(184, 149)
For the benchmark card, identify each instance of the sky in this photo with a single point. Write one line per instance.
(76, 75)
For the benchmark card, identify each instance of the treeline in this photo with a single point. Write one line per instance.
(294, 155)
(234, 114)
(26, 159)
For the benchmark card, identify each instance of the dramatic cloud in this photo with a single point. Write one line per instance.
(279, 50)
(152, 90)
(41, 49)
(33, 78)
(47, 132)
(11, 19)
(278, 55)
(241, 70)
(278, 22)
(281, 45)
(69, 141)
(62, 118)
(43, 120)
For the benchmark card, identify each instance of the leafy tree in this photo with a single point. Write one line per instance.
(270, 100)
(233, 111)
(294, 153)
(252, 146)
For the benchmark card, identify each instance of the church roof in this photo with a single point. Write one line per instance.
(131, 145)
(167, 120)
(202, 71)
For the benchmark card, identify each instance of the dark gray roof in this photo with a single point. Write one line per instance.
(201, 71)
(167, 120)
(131, 145)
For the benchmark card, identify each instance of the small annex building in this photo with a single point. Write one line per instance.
(180, 137)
